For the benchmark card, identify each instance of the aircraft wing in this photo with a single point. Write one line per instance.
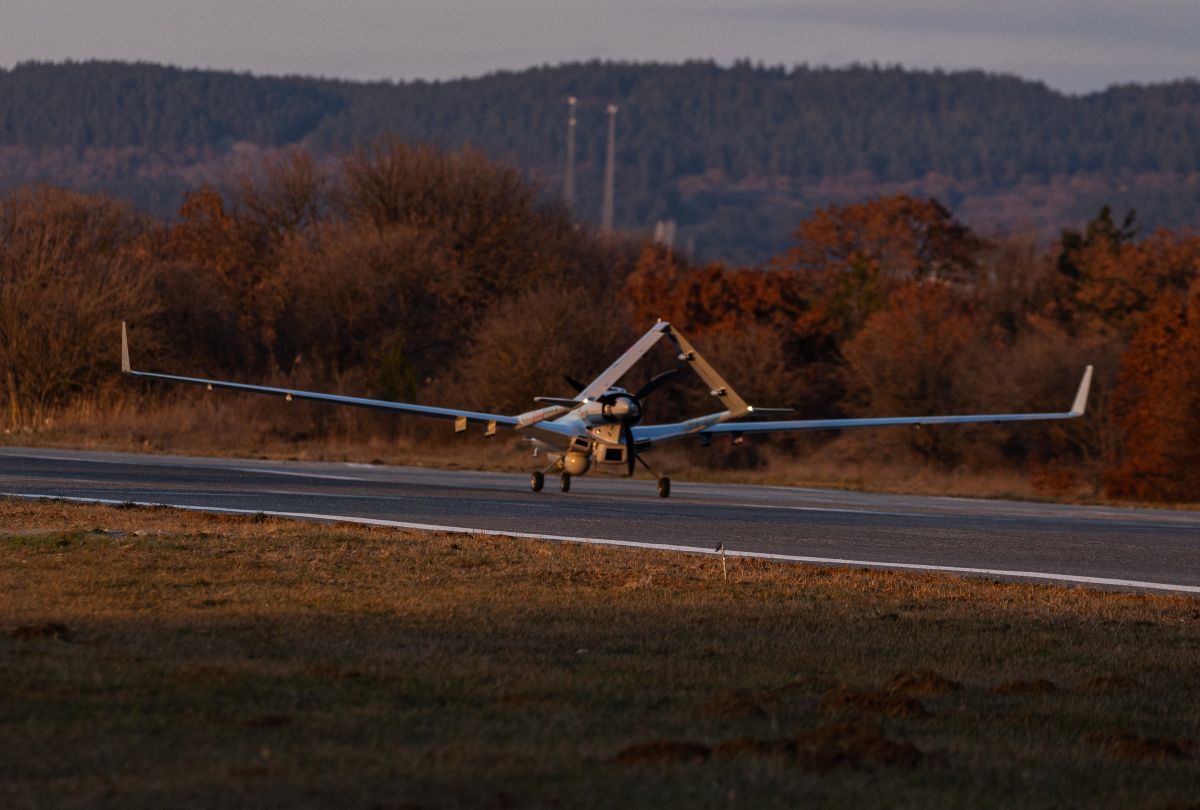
(704, 427)
(622, 364)
(291, 393)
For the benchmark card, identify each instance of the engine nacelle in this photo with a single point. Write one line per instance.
(577, 463)
(619, 409)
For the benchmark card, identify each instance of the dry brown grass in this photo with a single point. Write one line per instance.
(159, 658)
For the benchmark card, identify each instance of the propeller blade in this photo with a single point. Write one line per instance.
(655, 383)
(630, 446)
(574, 383)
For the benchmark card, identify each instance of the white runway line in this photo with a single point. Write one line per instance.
(261, 471)
(599, 541)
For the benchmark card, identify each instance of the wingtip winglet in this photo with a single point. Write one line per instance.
(1079, 407)
(125, 367)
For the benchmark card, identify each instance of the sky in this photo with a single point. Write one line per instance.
(1075, 46)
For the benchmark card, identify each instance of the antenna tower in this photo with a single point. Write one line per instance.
(610, 169)
(569, 174)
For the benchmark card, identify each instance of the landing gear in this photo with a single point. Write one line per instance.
(536, 481)
(664, 487)
(564, 483)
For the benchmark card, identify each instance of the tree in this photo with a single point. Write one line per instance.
(71, 268)
(910, 358)
(527, 343)
(1157, 403)
(1121, 280)
(732, 311)
(856, 255)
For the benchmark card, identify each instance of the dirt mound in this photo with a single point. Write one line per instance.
(921, 683)
(267, 721)
(662, 752)
(802, 686)
(202, 672)
(55, 630)
(737, 703)
(1121, 745)
(748, 746)
(1111, 683)
(888, 704)
(1041, 686)
(329, 671)
(837, 745)
(855, 745)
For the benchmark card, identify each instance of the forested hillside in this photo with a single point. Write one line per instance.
(736, 155)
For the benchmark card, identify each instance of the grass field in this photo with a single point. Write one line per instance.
(154, 658)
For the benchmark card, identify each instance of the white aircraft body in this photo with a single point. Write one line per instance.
(601, 425)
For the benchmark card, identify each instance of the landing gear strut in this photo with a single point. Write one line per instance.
(536, 481)
(564, 483)
(664, 487)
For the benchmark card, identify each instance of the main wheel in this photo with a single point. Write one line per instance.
(664, 487)
(536, 481)
(564, 483)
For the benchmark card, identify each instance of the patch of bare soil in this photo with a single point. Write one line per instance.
(888, 704)
(749, 746)
(328, 671)
(735, 703)
(202, 672)
(855, 745)
(1111, 683)
(662, 752)
(267, 721)
(1131, 747)
(1041, 686)
(838, 745)
(52, 630)
(921, 683)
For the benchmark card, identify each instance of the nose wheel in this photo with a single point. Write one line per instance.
(564, 482)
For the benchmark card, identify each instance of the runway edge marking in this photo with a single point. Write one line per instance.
(600, 541)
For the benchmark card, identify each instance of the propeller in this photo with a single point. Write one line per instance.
(630, 446)
(635, 399)
(655, 383)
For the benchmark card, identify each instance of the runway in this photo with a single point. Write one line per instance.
(1139, 549)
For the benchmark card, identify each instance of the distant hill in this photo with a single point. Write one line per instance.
(736, 155)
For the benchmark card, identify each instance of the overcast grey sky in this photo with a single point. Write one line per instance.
(1073, 45)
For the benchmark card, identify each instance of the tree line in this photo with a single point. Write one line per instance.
(405, 272)
(716, 148)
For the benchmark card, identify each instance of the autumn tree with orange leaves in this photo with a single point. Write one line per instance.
(763, 325)
(912, 358)
(1157, 403)
(855, 256)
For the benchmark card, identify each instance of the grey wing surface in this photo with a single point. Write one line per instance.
(699, 427)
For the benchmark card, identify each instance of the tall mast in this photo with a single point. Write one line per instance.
(610, 170)
(569, 173)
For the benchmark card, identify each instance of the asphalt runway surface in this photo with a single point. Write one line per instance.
(1138, 549)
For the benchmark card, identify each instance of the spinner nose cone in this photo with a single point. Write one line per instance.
(623, 409)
